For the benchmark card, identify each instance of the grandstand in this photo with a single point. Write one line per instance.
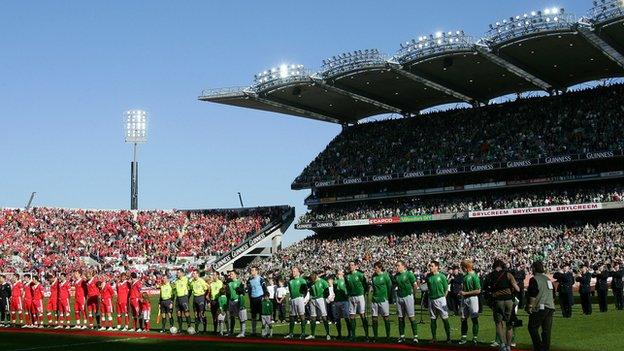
(62, 240)
(514, 167)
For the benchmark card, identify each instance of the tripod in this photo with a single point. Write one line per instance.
(423, 295)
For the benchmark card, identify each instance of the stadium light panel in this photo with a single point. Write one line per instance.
(136, 126)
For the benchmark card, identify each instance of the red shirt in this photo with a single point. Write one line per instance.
(80, 286)
(135, 290)
(145, 305)
(54, 290)
(37, 292)
(92, 289)
(107, 291)
(28, 292)
(16, 290)
(64, 290)
(122, 290)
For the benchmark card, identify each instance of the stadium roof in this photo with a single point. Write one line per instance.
(546, 50)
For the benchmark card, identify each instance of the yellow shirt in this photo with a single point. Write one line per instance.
(215, 287)
(199, 287)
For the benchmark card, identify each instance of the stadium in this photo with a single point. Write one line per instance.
(476, 187)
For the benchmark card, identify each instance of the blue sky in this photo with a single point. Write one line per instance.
(69, 69)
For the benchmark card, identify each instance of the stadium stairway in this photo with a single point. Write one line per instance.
(257, 245)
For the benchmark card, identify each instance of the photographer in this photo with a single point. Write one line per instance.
(501, 286)
(540, 307)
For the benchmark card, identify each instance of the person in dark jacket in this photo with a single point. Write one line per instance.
(520, 274)
(601, 274)
(584, 279)
(456, 279)
(565, 279)
(617, 285)
(5, 297)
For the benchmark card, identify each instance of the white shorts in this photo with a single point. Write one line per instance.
(380, 309)
(221, 317)
(470, 307)
(405, 306)
(357, 305)
(146, 314)
(438, 308)
(266, 321)
(297, 307)
(242, 315)
(318, 308)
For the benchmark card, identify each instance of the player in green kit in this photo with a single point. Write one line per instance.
(298, 289)
(406, 290)
(233, 288)
(266, 316)
(382, 291)
(222, 303)
(356, 286)
(471, 288)
(437, 286)
(341, 302)
(318, 308)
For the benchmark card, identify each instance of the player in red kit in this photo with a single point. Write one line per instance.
(52, 306)
(27, 306)
(63, 302)
(80, 293)
(123, 288)
(93, 297)
(134, 297)
(16, 305)
(37, 302)
(146, 312)
(106, 305)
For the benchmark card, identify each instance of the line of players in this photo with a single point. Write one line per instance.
(344, 292)
(92, 304)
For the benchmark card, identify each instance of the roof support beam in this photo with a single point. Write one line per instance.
(600, 44)
(294, 109)
(320, 82)
(433, 85)
(514, 69)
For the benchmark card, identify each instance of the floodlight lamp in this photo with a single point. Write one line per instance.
(438, 34)
(135, 126)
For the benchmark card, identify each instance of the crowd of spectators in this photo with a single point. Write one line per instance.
(572, 123)
(464, 202)
(56, 239)
(569, 243)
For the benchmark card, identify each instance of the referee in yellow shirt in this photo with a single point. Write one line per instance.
(182, 294)
(198, 289)
(215, 286)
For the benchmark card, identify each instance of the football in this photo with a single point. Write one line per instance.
(173, 330)
(191, 330)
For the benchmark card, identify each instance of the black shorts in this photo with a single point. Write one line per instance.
(199, 303)
(166, 306)
(256, 305)
(182, 303)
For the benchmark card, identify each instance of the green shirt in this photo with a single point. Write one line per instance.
(223, 303)
(405, 283)
(318, 288)
(267, 307)
(437, 285)
(340, 290)
(233, 285)
(471, 282)
(199, 287)
(355, 283)
(182, 287)
(382, 287)
(166, 292)
(294, 287)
